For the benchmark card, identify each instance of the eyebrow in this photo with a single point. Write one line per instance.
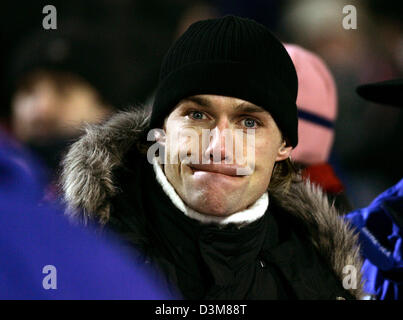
(242, 107)
(199, 101)
(248, 108)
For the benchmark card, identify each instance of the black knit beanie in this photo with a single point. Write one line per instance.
(235, 57)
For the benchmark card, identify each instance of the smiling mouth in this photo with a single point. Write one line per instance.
(228, 170)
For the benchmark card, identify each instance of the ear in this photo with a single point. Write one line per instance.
(159, 136)
(284, 151)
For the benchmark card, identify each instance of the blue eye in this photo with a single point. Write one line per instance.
(197, 115)
(249, 123)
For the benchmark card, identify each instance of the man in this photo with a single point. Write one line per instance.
(219, 224)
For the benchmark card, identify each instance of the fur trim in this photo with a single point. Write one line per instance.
(87, 183)
(334, 238)
(86, 178)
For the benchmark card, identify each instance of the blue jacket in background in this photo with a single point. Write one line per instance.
(42, 256)
(380, 228)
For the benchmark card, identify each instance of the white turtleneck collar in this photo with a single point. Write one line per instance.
(254, 212)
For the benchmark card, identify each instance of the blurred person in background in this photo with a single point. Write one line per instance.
(372, 52)
(44, 257)
(103, 56)
(58, 87)
(380, 224)
(317, 111)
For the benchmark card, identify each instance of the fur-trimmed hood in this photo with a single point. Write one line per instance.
(87, 183)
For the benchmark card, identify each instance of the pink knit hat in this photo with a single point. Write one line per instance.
(317, 107)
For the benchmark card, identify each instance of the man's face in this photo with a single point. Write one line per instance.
(217, 188)
(48, 109)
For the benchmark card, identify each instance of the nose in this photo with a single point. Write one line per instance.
(43, 104)
(219, 144)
